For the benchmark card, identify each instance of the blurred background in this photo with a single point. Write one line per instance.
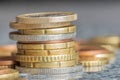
(95, 17)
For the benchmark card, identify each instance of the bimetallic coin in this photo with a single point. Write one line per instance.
(19, 37)
(46, 17)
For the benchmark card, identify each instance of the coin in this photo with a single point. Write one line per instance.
(61, 30)
(76, 68)
(46, 46)
(19, 37)
(48, 64)
(9, 74)
(93, 56)
(46, 17)
(16, 25)
(55, 58)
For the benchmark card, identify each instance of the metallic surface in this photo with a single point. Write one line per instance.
(69, 76)
(47, 42)
(94, 69)
(46, 17)
(34, 52)
(6, 62)
(48, 46)
(49, 64)
(15, 25)
(111, 40)
(18, 37)
(9, 74)
(55, 58)
(76, 68)
(93, 56)
(61, 30)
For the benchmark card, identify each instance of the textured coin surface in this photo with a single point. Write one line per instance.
(24, 58)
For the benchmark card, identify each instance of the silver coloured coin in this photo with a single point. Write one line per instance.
(77, 68)
(19, 37)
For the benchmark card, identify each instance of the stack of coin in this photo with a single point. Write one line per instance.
(9, 74)
(46, 46)
(94, 58)
(6, 56)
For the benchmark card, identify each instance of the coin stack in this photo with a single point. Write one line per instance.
(6, 58)
(46, 46)
(94, 58)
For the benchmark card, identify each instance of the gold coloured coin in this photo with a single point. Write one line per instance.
(24, 58)
(49, 46)
(93, 56)
(93, 63)
(111, 40)
(48, 64)
(19, 26)
(94, 69)
(61, 30)
(46, 17)
(6, 67)
(9, 74)
(46, 52)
